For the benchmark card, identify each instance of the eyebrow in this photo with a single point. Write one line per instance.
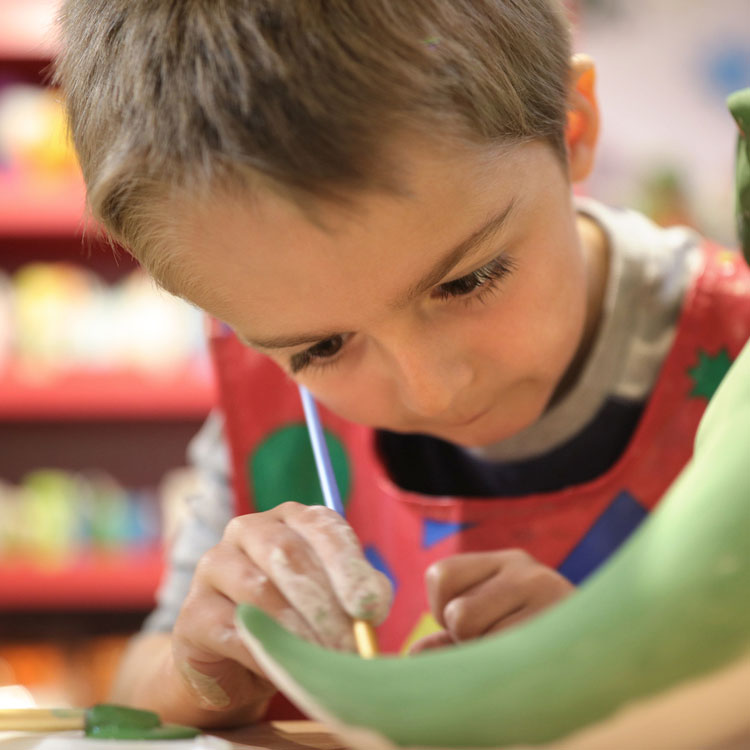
(444, 266)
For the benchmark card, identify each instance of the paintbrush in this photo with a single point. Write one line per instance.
(103, 720)
(364, 634)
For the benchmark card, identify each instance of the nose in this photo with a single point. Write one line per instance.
(429, 373)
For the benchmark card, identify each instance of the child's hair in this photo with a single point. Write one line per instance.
(174, 97)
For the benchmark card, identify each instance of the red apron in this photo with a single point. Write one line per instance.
(574, 529)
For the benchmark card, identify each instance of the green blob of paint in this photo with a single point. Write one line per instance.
(283, 468)
(109, 721)
(163, 732)
(112, 715)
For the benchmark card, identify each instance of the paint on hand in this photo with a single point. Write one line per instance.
(207, 688)
(364, 592)
(313, 600)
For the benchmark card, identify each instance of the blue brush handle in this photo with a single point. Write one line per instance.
(320, 451)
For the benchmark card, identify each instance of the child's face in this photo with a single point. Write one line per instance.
(453, 309)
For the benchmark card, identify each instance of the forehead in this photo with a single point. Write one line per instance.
(265, 264)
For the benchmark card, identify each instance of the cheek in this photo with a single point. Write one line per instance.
(562, 323)
(538, 325)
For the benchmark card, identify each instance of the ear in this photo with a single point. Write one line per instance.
(582, 131)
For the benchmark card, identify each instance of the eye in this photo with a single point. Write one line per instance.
(483, 278)
(323, 350)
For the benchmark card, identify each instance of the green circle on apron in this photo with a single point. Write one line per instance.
(282, 468)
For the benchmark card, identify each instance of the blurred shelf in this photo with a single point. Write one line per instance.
(122, 580)
(27, 29)
(189, 394)
(41, 209)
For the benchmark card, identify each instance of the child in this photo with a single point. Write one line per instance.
(375, 197)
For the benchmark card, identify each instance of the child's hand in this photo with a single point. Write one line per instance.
(301, 564)
(477, 593)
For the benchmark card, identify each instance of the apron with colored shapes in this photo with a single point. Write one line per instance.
(574, 529)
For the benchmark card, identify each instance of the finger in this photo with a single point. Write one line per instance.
(302, 579)
(549, 588)
(232, 573)
(449, 578)
(474, 612)
(516, 618)
(515, 593)
(363, 591)
(297, 572)
(431, 641)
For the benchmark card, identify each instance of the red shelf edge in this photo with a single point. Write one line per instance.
(117, 580)
(186, 394)
(54, 207)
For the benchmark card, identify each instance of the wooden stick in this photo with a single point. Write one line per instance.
(41, 719)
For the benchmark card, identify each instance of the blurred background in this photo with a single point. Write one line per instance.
(104, 378)
(103, 381)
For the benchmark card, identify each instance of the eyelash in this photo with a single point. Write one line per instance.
(483, 281)
(307, 360)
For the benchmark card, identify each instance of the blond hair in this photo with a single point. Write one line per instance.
(181, 96)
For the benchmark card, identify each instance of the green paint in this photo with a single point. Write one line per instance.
(283, 468)
(163, 732)
(108, 721)
(670, 607)
(708, 373)
(107, 714)
(739, 106)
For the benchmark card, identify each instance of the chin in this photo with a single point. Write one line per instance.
(471, 436)
(494, 426)
(486, 432)
(477, 439)
(467, 437)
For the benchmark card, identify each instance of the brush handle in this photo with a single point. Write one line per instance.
(327, 478)
(365, 638)
(41, 719)
(364, 633)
